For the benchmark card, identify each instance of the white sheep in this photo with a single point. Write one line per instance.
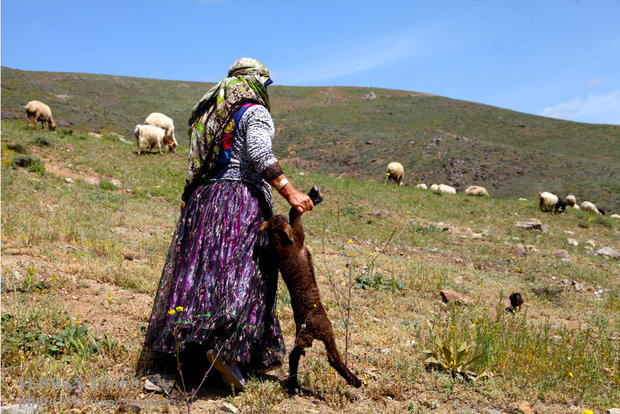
(443, 189)
(149, 137)
(396, 172)
(571, 200)
(588, 206)
(38, 111)
(476, 190)
(164, 122)
(421, 186)
(550, 202)
(616, 216)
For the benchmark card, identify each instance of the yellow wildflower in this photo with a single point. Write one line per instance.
(570, 374)
(23, 358)
(350, 241)
(171, 312)
(179, 308)
(408, 212)
(110, 294)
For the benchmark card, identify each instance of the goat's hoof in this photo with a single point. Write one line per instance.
(315, 195)
(292, 387)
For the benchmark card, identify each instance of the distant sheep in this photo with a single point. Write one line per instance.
(476, 190)
(164, 122)
(396, 172)
(588, 206)
(550, 202)
(421, 186)
(443, 189)
(571, 200)
(37, 111)
(616, 216)
(149, 137)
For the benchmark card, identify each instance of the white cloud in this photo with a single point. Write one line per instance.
(597, 81)
(350, 60)
(598, 109)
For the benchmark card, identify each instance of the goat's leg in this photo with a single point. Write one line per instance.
(334, 360)
(293, 363)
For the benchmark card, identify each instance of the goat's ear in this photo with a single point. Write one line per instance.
(262, 242)
(286, 233)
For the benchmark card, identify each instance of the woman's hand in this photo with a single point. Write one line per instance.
(298, 200)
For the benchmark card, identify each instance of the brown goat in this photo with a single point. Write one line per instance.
(284, 244)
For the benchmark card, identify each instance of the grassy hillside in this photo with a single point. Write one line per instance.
(86, 225)
(342, 131)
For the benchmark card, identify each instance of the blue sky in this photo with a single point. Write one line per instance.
(553, 58)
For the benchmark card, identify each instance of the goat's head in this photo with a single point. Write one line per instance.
(171, 142)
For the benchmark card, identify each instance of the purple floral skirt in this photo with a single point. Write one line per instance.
(212, 291)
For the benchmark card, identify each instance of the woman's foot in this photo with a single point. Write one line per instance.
(231, 375)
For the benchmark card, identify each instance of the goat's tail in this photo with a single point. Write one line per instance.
(334, 360)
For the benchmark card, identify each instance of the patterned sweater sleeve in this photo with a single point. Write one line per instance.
(260, 131)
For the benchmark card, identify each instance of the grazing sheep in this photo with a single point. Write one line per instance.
(422, 186)
(396, 172)
(164, 122)
(571, 200)
(149, 137)
(443, 189)
(283, 244)
(588, 206)
(550, 202)
(37, 111)
(617, 216)
(476, 190)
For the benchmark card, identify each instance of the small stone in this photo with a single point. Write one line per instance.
(530, 224)
(21, 409)
(608, 253)
(521, 407)
(116, 183)
(229, 408)
(591, 243)
(448, 296)
(572, 242)
(69, 180)
(613, 411)
(561, 254)
(578, 286)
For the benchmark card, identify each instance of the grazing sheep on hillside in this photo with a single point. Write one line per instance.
(476, 190)
(588, 206)
(164, 122)
(550, 202)
(37, 111)
(396, 172)
(149, 137)
(443, 189)
(617, 216)
(421, 186)
(571, 200)
(283, 244)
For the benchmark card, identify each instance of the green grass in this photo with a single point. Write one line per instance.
(381, 251)
(335, 129)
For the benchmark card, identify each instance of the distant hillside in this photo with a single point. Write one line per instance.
(351, 132)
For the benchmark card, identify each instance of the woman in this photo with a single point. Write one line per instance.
(212, 291)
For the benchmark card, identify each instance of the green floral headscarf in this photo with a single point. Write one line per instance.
(245, 83)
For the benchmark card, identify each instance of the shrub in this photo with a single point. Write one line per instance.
(42, 141)
(33, 164)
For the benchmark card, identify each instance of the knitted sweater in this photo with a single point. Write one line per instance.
(251, 153)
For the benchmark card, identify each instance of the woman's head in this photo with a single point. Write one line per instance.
(248, 66)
